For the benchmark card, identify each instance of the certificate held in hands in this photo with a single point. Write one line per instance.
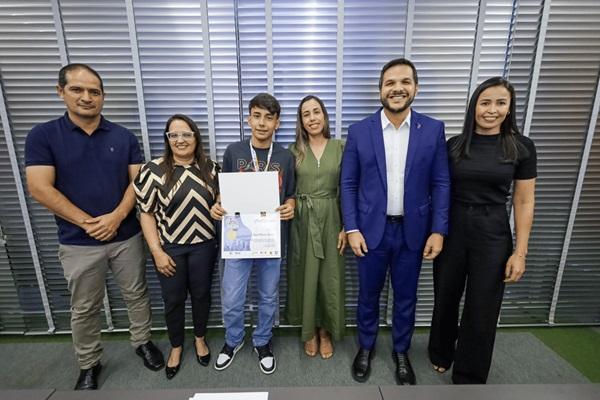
(251, 228)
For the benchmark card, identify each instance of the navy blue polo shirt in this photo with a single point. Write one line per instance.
(91, 171)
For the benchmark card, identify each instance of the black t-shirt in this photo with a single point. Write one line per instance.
(237, 158)
(484, 178)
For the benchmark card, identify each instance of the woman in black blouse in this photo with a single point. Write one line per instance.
(175, 193)
(485, 160)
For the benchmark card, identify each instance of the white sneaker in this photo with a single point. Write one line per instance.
(266, 359)
(226, 356)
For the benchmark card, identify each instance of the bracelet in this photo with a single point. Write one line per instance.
(524, 256)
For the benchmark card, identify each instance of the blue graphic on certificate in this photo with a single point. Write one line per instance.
(251, 235)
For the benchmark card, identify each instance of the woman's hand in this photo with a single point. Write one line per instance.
(515, 268)
(342, 240)
(217, 212)
(164, 263)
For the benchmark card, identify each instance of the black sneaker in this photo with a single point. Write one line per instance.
(226, 356)
(266, 359)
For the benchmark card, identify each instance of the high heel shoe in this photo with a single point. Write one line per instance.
(205, 359)
(170, 372)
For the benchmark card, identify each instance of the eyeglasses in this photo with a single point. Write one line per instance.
(176, 135)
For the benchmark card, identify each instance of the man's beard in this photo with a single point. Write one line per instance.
(407, 103)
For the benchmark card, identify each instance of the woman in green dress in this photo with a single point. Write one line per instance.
(317, 242)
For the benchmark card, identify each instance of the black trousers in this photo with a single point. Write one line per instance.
(475, 253)
(194, 265)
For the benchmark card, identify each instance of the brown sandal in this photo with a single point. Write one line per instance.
(326, 345)
(311, 346)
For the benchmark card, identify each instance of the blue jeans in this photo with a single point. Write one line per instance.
(235, 283)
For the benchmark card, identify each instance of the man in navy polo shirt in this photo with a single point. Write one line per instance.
(80, 166)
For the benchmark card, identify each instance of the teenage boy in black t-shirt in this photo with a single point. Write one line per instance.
(259, 153)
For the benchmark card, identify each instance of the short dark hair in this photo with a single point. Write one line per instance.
(62, 74)
(393, 63)
(266, 101)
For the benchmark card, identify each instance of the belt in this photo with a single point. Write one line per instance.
(315, 226)
(394, 219)
(309, 197)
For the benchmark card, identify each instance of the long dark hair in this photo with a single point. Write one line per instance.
(302, 135)
(512, 149)
(205, 165)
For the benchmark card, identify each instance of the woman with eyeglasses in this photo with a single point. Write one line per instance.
(486, 160)
(174, 194)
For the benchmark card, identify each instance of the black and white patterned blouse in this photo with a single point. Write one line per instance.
(183, 211)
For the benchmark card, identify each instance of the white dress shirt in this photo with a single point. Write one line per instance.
(396, 149)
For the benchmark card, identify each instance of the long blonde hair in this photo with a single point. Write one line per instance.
(300, 148)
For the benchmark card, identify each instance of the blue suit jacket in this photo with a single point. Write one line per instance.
(426, 181)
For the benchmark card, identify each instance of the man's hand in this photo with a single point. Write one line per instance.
(164, 263)
(515, 268)
(217, 212)
(286, 211)
(433, 246)
(357, 243)
(103, 227)
(342, 240)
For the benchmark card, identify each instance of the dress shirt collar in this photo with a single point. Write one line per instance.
(385, 121)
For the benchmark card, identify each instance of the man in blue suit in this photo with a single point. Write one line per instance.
(395, 190)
